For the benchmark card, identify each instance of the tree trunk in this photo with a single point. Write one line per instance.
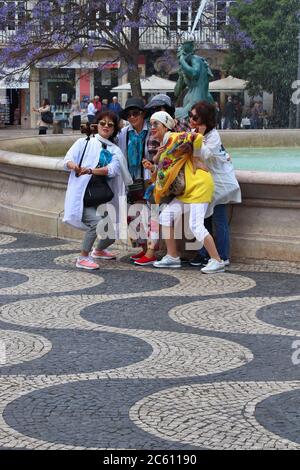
(134, 79)
(133, 63)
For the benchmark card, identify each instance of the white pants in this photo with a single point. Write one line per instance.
(174, 211)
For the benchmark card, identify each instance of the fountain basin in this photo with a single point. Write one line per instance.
(265, 226)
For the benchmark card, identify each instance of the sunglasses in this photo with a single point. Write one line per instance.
(155, 124)
(193, 116)
(109, 124)
(134, 113)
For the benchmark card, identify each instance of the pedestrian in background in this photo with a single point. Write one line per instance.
(97, 104)
(75, 115)
(115, 106)
(229, 114)
(91, 112)
(105, 105)
(45, 108)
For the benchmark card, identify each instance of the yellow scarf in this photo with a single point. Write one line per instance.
(180, 147)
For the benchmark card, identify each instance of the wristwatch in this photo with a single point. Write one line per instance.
(90, 172)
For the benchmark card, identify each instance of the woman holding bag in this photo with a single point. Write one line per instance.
(92, 160)
(45, 108)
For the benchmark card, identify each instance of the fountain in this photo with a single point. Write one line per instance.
(265, 226)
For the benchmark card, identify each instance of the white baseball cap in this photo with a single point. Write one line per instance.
(164, 118)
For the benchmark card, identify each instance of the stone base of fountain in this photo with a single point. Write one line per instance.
(265, 226)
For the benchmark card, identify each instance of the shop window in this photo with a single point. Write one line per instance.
(10, 21)
(183, 18)
(222, 13)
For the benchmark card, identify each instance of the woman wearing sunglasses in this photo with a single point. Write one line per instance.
(196, 195)
(133, 141)
(227, 191)
(101, 159)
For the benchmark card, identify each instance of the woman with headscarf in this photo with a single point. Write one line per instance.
(197, 190)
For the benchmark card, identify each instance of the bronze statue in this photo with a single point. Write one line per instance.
(193, 79)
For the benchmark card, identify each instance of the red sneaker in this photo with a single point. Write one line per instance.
(144, 260)
(137, 255)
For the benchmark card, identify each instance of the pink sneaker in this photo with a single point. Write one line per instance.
(104, 254)
(86, 263)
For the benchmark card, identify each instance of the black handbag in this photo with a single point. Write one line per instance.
(47, 117)
(97, 192)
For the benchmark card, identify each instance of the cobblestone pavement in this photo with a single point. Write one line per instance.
(135, 358)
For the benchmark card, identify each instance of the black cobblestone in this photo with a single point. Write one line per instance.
(96, 413)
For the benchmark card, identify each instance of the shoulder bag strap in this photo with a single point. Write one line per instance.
(87, 141)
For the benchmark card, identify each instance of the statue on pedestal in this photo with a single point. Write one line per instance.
(194, 73)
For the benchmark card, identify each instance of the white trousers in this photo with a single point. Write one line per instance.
(174, 211)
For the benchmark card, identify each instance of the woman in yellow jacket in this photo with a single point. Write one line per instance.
(197, 192)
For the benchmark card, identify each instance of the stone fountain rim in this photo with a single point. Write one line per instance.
(56, 164)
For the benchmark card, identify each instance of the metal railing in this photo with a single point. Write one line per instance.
(207, 35)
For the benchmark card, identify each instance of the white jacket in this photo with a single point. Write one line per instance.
(227, 189)
(118, 177)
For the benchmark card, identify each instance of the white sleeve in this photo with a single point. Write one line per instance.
(75, 152)
(114, 168)
(212, 146)
(91, 109)
(121, 140)
(44, 109)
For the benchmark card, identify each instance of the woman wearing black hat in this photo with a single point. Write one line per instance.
(133, 141)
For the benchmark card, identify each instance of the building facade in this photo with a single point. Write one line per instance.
(82, 79)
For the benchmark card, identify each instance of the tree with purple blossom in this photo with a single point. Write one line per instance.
(262, 35)
(63, 30)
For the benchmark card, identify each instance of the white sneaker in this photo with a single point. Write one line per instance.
(168, 262)
(227, 262)
(214, 266)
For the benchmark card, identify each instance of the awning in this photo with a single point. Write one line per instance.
(80, 64)
(229, 84)
(17, 80)
(151, 84)
(157, 84)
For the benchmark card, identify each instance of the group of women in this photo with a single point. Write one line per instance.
(152, 161)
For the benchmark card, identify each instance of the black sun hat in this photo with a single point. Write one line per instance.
(131, 103)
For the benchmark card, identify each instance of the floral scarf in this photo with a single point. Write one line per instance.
(179, 148)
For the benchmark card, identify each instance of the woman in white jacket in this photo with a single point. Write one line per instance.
(101, 158)
(227, 190)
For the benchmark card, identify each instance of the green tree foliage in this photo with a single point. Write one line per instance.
(263, 39)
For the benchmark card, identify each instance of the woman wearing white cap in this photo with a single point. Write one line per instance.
(179, 152)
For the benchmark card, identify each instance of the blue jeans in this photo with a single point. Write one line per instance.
(221, 231)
